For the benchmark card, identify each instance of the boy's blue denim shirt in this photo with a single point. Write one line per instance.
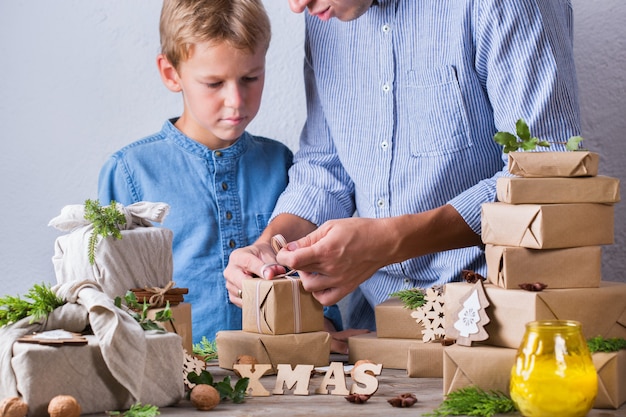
(219, 200)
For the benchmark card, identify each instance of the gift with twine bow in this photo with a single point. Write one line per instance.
(158, 297)
(280, 305)
(141, 258)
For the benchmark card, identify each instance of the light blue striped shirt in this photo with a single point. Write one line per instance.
(403, 103)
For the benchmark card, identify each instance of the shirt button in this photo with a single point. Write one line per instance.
(224, 186)
(407, 281)
(229, 215)
(384, 144)
(386, 88)
(386, 28)
(218, 153)
(380, 203)
(231, 243)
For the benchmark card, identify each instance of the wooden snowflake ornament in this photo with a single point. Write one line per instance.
(430, 315)
(471, 317)
(192, 364)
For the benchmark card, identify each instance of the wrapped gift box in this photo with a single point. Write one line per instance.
(509, 266)
(394, 320)
(611, 369)
(516, 190)
(43, 372)
(180, 324)
(601, 311)
(279, 306)
(394, 353)
(547, 226)
(311, 348)
(489, 368)
(486, 367)
(142, 258)
(554, 164)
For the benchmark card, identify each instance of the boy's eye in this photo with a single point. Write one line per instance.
(250, 79)
(214, 85)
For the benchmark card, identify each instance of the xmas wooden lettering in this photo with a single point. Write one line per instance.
(299, 378)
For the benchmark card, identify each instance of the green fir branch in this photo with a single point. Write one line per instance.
(601, 344)
(106, 221)
(473, 401)
(38, 302)
(206, 349)
(138, 410)
(413, 298)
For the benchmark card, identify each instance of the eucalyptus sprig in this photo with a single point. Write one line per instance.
(206, 349)
(38, 302)
(236, 394)
(139, 311)
(526, 142)
(138, 410)
(106, 222)
(601, 344)
(412, 298)
(473, 401)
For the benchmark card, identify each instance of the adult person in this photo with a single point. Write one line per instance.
(397, 153)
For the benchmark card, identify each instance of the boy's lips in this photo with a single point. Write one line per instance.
(325, 14)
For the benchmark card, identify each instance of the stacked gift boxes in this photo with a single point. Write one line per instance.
(281, 324)
(547, 227)
(398, 343)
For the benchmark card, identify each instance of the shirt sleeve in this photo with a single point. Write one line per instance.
(114, 183)
(524, 58)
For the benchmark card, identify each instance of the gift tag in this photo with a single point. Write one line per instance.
(54, 338)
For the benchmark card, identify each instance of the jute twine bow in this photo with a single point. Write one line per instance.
(157, 299)
(278, 242)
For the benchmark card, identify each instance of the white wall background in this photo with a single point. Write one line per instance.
(78, 80)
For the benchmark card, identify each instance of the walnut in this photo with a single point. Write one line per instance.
(533, 286)
(13, 407)
(64, 406)
(204, 397)
(357, 398)
(403, 400)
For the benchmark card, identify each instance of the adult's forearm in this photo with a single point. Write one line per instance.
(292, 227)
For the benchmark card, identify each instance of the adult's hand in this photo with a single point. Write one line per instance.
(338, 256)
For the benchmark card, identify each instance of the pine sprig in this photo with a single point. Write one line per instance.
(106, 222)
(38, 302)
(413, 298)
(138, 410)
(601, 344)
(524, 141)
(206, 349)
(473, 401)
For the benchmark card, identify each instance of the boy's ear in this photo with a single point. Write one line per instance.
(168, 73)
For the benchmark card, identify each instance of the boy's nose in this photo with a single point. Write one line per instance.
(234, 97)
(298, 6)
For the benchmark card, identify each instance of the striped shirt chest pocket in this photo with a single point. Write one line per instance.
(435, 117)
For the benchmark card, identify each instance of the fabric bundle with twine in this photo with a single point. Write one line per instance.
(142, 258)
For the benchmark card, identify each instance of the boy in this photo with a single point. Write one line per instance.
(221, 182)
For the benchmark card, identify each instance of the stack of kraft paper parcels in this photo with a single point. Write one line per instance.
(548, 227)
(117, 363)
(281, 324)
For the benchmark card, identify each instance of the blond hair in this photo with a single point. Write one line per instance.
(243, 24)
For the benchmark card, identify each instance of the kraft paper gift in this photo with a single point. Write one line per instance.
(509, 266)
(601, 311)
(425, 360)
(142, 258)
(547, 226)
(516, 190)
(180, 323)
(486, 367)
(393, 353)
(394, 320)
(43, 372)
(279, 306)
(611, 369)
(554, 164)
(311, 348)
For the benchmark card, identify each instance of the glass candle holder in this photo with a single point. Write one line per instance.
(553, 375)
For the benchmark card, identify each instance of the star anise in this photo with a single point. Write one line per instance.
(403, 400)
(471, 276)
(533, 286)
(357, 398)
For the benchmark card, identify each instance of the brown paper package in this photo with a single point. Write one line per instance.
(601, 311)
(279, 306)
(554, 164)
(547, 226)
(311, 348)
(509, 266)
(394, 320)
(181, 323)
(516, 190)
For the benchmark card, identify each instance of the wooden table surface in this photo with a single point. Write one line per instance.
(392, 382)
